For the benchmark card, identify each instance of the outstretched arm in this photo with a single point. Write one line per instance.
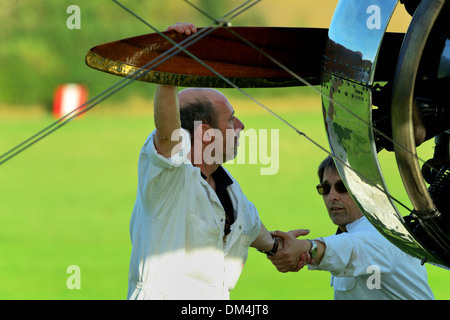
(264, 241)
(295, 252)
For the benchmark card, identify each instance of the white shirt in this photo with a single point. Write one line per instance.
(177, 229)
(365, 265)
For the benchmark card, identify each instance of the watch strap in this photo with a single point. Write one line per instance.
(313, 250)
(274, 248)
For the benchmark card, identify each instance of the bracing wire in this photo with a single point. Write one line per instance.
(225, 24)
(178, 47)
(91, 103)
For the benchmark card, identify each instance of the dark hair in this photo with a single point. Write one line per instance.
(327, 163)
(199, 110)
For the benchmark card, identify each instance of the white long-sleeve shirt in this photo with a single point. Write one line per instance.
(365, 265)
(177, 231)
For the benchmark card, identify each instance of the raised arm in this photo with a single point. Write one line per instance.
(167, 107)
(167, 119)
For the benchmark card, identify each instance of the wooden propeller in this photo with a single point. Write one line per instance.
(298, 49)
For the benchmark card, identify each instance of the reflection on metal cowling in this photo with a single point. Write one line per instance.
(348, 72)
(425, 218)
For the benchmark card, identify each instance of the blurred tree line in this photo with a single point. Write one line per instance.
(38, 51)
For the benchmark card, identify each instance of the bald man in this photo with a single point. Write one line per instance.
(191, 226)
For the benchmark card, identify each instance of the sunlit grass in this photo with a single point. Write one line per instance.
(68, 199)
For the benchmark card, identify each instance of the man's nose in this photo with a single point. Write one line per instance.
(238, 124)
(333, 195)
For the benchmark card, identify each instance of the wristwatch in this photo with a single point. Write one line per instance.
(274, 248)
(313, 250)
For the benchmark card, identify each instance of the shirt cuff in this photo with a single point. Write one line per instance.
(337, 254)
(176, 159)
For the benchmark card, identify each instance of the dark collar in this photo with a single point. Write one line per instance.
(221, 178)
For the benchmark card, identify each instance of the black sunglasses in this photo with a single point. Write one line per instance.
(324, 188)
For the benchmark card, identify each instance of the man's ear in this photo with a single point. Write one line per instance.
(202, 132)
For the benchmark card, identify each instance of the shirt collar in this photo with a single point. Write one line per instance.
(352, 225)
(356, 223)
(221, 178)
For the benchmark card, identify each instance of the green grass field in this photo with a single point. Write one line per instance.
(68, 199)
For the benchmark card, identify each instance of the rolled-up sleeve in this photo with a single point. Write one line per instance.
(349, 255)
(176, 159)
(338, 253)
(153, 185)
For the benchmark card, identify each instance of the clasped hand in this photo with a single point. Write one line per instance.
(294, 253)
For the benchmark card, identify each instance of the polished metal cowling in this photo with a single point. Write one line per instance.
(355, 38)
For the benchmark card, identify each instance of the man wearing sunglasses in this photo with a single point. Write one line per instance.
(363, 264)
